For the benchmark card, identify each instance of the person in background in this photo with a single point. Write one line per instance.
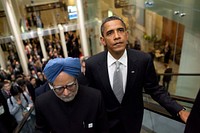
(33, 85)
(125, 109)
(45, 87)
(22, 84)
(137, 44)
(6, 89)
(7, 121)
(19, 104)
(83, 59)
(69, 107)
(167, 52)
(25, 84)
(167, 77)
(41, 79)
(81, 78)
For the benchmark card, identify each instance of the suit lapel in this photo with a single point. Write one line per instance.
(131, 72)
(103, 72)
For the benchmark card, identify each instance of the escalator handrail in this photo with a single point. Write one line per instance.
(156, 108)
(179, 98)
(179, 74)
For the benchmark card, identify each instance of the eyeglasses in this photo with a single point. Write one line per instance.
(60, 89)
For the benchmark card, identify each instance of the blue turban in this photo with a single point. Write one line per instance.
(68, 65)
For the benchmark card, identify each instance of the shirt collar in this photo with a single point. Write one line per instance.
(122, 59)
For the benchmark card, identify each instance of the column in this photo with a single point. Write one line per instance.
(40, 35)
(62, 39)
(83, 36)
(2, 60)
(13, 23)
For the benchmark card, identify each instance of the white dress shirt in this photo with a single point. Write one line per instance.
(123, 67)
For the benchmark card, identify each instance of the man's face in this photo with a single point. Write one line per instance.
(115, 37)
(65, 87)
(33, 81)
(7, 86)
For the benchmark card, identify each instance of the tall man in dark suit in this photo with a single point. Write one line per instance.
(138, 72)
(69, 107)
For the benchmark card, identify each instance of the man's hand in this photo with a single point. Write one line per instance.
(183, 114)
(19, 101)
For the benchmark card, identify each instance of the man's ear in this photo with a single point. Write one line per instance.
(102, 41)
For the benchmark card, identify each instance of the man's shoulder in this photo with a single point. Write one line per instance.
(42, 88)
(137, 54)
(89, 90)
(97, 56)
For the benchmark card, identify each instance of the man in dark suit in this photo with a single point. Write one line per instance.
(192, 125)
(69, 107)
(138, 72)
(6, 88)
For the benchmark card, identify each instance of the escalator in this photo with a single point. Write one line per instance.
(156, 119)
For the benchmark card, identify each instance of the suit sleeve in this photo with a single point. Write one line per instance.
(157, 92)
(102, 121)
(89, 74)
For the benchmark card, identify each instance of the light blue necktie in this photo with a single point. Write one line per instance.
(118, 83)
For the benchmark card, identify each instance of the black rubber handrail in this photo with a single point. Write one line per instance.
(180, 74)
(183, 99)
(156, 108)
(179, 98)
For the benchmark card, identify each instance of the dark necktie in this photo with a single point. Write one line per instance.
(117, 82)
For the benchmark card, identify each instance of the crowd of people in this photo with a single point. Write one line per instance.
(13, 74)
(68, 98)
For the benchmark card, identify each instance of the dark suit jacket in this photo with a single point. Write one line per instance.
(140, 74)
(85, 114)
(192, 125)
(82, 79)
(31, 90)
(5, 94)
(42, 89)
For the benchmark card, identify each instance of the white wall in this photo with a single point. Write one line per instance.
(190, 63)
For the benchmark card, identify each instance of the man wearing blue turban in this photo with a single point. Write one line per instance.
(69, 107)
